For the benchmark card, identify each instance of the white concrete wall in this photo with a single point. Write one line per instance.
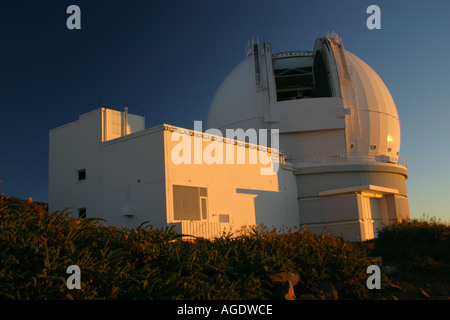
(73, 147)
(356, 215)
(77, 145)
(237, 190)
(133, 179)
(338, 215)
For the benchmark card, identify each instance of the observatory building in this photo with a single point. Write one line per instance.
(327, 155)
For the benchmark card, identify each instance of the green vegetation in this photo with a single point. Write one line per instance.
(416, 258)
(144, 263)
(420, 243)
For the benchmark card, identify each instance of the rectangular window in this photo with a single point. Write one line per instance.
(82, 213)
(82, 175)
(189, 203)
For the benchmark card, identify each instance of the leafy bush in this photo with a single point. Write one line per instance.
(144, 263)
(322, 257)
(415, 241)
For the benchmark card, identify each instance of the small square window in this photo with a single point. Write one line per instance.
(82, 175)
(82, 213)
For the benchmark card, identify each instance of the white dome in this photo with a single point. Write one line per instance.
(255, 89)
(234, 104)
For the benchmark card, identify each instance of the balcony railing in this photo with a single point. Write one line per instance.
(364, 158)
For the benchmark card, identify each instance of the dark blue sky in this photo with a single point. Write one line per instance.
(170, 57)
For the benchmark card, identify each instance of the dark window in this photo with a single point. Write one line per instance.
(189, 203)
(82, 213)
(82, 175)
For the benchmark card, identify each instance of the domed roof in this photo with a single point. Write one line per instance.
(235, 101)
(256, 85)
(373, 93)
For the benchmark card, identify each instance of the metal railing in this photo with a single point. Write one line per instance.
(364, 158)
(203, 229)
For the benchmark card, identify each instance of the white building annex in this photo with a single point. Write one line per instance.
(334, 165)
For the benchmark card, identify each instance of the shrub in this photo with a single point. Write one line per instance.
(323, 257)
(146, 263)
(415, 241)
